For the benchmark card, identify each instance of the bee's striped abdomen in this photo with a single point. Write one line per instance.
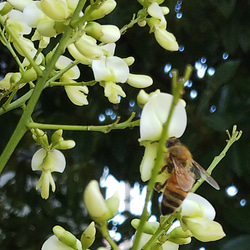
(173, 196)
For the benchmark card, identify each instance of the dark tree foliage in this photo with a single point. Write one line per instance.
(207, 30)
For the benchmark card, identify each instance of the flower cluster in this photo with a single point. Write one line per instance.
(196, 217)
(49, 159)
(157, 24)
(92, 44)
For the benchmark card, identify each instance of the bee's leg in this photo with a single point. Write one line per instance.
(159, 186)
(169, 168)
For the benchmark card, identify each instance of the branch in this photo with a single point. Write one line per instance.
(102, 128)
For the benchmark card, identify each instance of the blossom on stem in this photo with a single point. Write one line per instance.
(99, 209)
(198, 217)
(47, 162)
(109, 70)
(77, 94)
(49, 159)
(157, 24)
(97, 11)
(88, 236)
(154, 114)
(103, 33)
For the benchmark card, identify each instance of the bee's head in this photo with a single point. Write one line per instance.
(172, 141)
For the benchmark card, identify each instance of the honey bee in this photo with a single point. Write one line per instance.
(178, 175)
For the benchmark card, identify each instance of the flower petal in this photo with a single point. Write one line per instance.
(119, 68)
(195, 205)
(155, 114)
(77, 94)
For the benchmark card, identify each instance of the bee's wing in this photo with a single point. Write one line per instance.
(184, 179)
(201, 172)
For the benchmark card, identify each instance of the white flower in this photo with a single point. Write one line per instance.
(197, 216)
(99, 209)
(63, 62)
(77, 94)
(155, 114)
(110, 68)
(195, 205)
(54, 243)
(15, 20)
(47, 162)
(155, 11)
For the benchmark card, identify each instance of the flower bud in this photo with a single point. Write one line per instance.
(139, 81)
(57, 136)
(65, 237)
(142, 98)
(88, 236)
(129, 60)
(166, 39)
(28, 76)
(65, 144)
(40, 137)
(55, 9)
(77, 55)
(149, 227)
(179, 236)
(95, 204)
(93, 12)
(103, 33)
(87, 46)
(5, 8)
(15, 78)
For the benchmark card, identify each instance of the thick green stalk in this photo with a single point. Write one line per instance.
(41, 82)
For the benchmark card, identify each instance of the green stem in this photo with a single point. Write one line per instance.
(102, 128)
(232, 138)
(18, 103)
(21, 126)
(163, 227)
(104, 231)
(16, 39)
